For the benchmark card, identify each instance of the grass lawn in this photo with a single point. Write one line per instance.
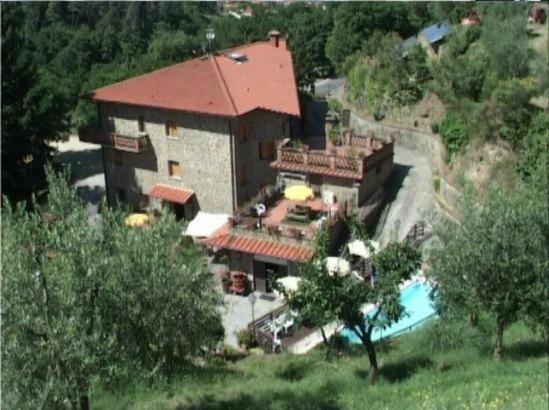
(409, 378)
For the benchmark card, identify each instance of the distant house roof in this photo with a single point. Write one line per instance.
(216, 84)
(261, 247)
(436, 32)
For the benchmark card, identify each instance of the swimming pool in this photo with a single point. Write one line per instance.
(417, 305)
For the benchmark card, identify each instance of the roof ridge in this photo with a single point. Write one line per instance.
(224, 85)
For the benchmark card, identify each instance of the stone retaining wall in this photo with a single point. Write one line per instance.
(429, 144)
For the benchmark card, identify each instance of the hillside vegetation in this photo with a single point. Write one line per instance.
(486, 94)
(414, 374)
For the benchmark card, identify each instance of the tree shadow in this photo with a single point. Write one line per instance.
(399, 371)
(392, 187)
(294, 372)
(284, 399)
(83, 163)
(527, 349)
(89, 194)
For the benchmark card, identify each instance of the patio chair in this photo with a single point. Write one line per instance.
(287, 323)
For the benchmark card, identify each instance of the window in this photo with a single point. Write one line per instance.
(120, 194)
(141, 123)
(241, 132)
(174, 169)
(266, 150)
(118, 158)
(171, 129)
(242, 175)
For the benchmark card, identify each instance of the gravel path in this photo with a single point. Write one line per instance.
(409, 195)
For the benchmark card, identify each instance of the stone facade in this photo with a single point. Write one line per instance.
(261, 127)
(218, 156)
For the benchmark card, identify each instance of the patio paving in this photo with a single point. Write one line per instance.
(238, 313)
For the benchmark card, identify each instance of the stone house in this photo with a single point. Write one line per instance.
(199, 135)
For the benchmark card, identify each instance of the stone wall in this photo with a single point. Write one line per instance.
(260, 126)
(201, 146)
(428, 144)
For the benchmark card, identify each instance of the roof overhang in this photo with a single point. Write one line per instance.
(170, 193)
(261, 247)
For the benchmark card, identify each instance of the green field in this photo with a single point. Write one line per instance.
(410, 378)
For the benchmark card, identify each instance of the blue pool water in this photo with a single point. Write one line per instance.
(417, 305)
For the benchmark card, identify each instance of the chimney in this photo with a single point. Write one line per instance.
(274, 37)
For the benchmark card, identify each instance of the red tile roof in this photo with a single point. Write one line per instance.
(311, 169)
(261, 247)
(170, 193)
(216, 84)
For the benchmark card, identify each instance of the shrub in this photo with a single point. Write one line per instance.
(453, 133)
(334, 105)
(436, 183)
(378, 113)
(434, 127)
(245, 338)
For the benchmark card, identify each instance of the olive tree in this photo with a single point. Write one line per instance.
(102, 301)
(495, 259)
(324, 295)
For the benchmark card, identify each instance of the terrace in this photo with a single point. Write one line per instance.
(349, 156)
(294, 222)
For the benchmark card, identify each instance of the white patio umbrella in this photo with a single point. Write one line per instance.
(339, 265)
(290, 283)
(357, 247)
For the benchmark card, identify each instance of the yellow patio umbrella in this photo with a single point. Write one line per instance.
(298, 193)
(137, 219)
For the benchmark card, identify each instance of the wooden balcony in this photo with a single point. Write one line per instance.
(95, 135)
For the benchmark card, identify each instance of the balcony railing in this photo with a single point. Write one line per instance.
(95, 135)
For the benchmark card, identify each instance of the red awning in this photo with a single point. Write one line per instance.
(261, 247)
(170, 193)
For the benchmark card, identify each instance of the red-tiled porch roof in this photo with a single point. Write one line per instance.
(170, 193)
(311, 169)
(261, 247)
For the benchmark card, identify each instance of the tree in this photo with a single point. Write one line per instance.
(495, 259)
(385, 75)
(307, 37)
(506, 42)
(34, 108)
(507, 113)
(85, 301)
(453, 132)
(355, 22)
(324, 296)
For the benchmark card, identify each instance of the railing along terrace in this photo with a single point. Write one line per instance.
(319, 159)
(288, 233)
